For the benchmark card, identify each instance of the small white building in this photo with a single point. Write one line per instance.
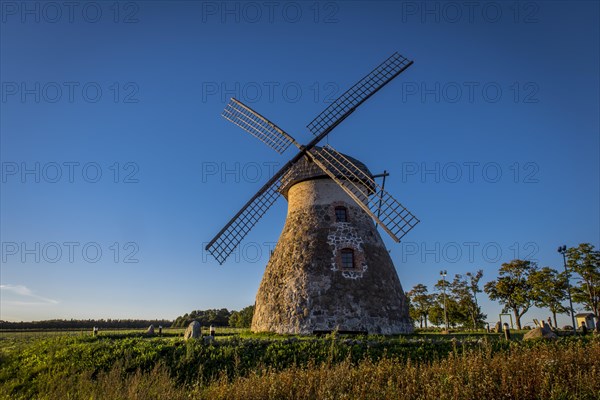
(587, 318)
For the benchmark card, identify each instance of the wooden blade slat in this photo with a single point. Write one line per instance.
(257, 125)
(359, 93)
(226, 241)
(394, 218)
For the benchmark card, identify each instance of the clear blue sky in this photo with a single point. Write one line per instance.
(491, 139)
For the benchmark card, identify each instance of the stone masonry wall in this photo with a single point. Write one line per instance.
(305, 288)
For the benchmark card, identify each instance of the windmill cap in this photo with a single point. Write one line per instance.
(305, 170)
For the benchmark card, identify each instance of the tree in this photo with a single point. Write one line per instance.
(444, 302)
(513, 288)
(204, 317)
(421, 301)
(460, 300)
(242, 318)
(550, 290)
(412, 312)
(585, 262)
(474, 283)
(464, 291)
(449, 303)
(436, 312)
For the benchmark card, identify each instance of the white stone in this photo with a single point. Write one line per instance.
(193, 331)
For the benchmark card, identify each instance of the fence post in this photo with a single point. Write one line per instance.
(506, 331)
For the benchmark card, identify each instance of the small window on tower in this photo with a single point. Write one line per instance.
(341, 214)
(347, 259)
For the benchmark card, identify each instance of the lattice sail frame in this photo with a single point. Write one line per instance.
(395, 219)
(223, 244)
(240, 225)
(257, 125)
(357, 94)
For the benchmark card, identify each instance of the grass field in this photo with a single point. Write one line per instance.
(127, 364)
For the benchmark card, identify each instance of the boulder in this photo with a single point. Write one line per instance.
(192, 331)
(498, 327)
(150, 330)
(540, 333)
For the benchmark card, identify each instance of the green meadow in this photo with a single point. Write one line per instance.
(128, 364)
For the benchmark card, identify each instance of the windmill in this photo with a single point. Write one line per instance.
(330, 268)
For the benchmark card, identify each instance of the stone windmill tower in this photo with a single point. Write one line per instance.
(330, 269)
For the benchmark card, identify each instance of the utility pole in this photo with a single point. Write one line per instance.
(563, 250)
(443, 273)
(473, 288)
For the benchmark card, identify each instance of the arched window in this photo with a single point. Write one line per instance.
(347, 258)
(341, 214)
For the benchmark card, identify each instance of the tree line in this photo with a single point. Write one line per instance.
(222, 317)
(217, 317)
(520, 285)
(454, 300)
(60, 324)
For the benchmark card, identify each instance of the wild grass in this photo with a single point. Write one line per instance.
(569, 371)
(429, 367)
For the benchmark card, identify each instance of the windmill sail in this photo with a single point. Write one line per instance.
(382, 207)
(257, 125)
(357, 94)
(226, 241)
(399, 221)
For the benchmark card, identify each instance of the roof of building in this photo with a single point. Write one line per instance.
(586, 314)
(305, 170)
